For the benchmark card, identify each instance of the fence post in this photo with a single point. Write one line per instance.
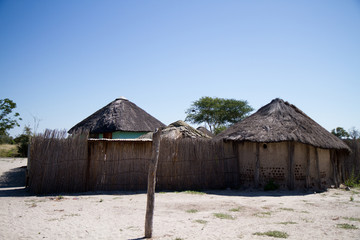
(151, 183)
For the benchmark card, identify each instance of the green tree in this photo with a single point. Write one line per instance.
(353, 133)
(217, 112)
(23, 141)
(340, 132)
(8, 119)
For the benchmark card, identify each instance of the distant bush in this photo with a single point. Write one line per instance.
(23, 141)
(6, 139)
(352, 181)
(271, 186)
(8, 150)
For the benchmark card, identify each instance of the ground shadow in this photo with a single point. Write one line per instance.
(13, 178)
(12, 183)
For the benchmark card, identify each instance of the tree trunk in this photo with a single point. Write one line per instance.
(151, 183)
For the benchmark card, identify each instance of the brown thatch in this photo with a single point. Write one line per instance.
(119, 115)
(206, 131)
(179, 129)
(281, 121)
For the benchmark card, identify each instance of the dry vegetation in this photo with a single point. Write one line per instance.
(8, 150)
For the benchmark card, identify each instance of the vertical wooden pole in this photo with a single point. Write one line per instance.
(291, 183)
(307, 167)
(317, 168)
(151, 183)
(334, 165)
(257, 165)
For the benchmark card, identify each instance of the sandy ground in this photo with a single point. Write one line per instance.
(178, 215)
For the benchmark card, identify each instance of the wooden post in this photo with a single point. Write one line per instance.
(151, 183)
(257, 165)
(317, 168)
(307, 179)
(334, 165)
(291, 183)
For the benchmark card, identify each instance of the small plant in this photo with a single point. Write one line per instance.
(351, 198)
(58, 198)
(224, 216)
(346, 226)
(352, 181)
(201, 221)
(192, 211)
(194, 192)
(275, 234)
(352, 219)
(263, 214)
(235, 209)
(286, 223)
(287, 209)
(271, 186)
(72, 215)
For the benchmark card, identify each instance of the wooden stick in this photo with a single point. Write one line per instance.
(307, 179)
(317, 168)
(151, 183)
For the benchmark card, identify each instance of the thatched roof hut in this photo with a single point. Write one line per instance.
(281, 121)
(281, 143)
(179, 129)
(206, 131)
(119, 116)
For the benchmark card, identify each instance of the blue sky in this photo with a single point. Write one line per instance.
(61, 61)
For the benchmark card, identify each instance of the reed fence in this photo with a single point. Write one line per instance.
(352, 161)
(76, 164)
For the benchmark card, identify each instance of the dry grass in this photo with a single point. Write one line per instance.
(8, 150)
(275, 234)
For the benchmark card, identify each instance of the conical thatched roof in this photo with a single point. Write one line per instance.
(204, 130)
(281, 121)
(179, 129)
(119, 115)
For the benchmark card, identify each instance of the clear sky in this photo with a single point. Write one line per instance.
(60, 61)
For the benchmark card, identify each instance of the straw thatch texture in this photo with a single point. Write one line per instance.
(206, 131)
(176, 130)
(118, 165)
(119, 115)
(281, 121)
(352, 161)
(196, 164)
(57, 163)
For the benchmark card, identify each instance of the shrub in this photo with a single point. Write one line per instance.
(271, 186)
(352, 181)
(275, 234)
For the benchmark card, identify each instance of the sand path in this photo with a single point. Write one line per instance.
(224, 214)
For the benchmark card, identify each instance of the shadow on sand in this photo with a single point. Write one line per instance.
(12, 183)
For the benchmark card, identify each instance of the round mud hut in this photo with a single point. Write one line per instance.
(280, 145)
(120, 119)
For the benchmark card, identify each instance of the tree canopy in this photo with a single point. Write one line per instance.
(352, 133)
(340, 132)
(217, 113)
(8, 118)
